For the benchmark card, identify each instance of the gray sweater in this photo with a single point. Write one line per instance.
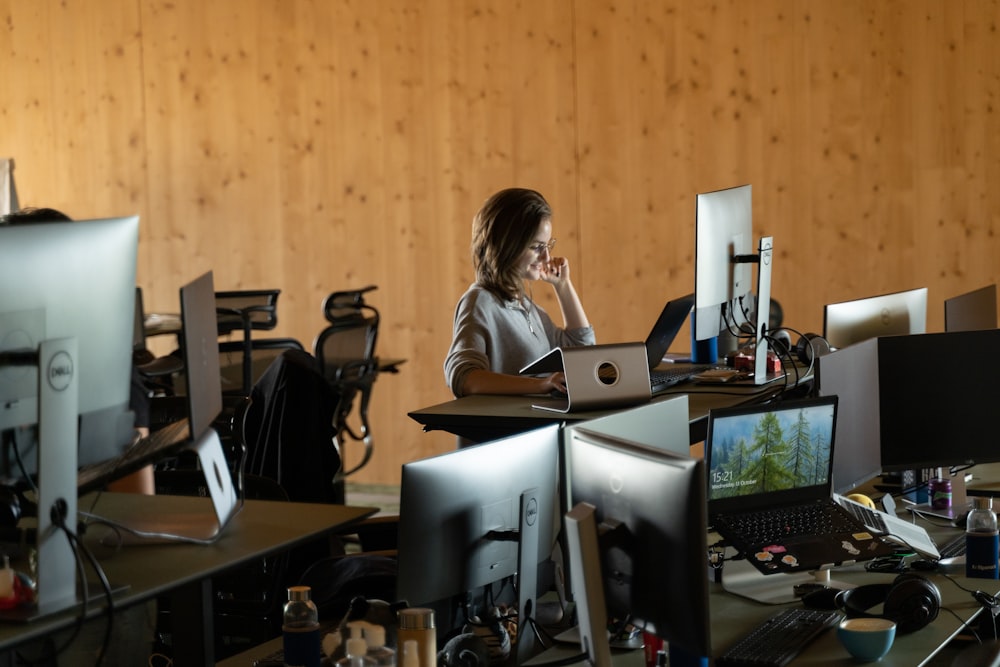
(502, 336)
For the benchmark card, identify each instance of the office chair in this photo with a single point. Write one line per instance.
(345, 350)
(243, 312)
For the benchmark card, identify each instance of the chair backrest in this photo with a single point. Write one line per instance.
(351, 334)
(240, 310)
(261, 353)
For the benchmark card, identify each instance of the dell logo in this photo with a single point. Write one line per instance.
(531, 512)
(60, 371)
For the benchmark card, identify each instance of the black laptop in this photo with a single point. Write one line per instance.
(660, 337)
(770, 488)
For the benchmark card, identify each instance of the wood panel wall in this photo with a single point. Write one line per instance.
(316, 145)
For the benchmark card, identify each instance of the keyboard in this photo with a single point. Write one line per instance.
(775, 524)
(664, 378)
(147, 450)
(776, 641)
(954, 548)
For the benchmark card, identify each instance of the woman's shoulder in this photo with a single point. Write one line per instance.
(477, 297)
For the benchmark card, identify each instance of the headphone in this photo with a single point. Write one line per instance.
(910, 600)
(810, 346)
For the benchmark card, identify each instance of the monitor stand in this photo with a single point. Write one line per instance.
(765, 255)
(741, 578)
(527, 574)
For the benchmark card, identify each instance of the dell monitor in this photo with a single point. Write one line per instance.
(972, 311)
(850, 322)
(69, 279)
(649, 508)
(493, 510)
(723, 252)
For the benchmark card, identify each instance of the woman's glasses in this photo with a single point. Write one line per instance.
(539, 248)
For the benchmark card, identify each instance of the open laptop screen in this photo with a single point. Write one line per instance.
(761, 455)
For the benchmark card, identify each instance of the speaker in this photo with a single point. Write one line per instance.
(910, 600)
(810, 346)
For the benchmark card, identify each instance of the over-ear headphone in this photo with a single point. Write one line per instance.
(910, 600)
(810, 346)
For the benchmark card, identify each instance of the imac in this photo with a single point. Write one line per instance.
(649, 514)
(495, 508)
(972, 311)
(850, 322)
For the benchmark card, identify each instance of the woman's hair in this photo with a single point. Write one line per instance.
(504, 226)
(28, 215)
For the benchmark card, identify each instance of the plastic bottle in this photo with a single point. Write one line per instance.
(939, 490)
(982, 541)
(356, 654)
(381, 655)
(417, 623)
(300, 629)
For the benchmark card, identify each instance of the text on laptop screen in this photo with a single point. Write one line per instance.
(770, 449)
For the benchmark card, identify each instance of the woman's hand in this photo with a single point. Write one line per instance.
(556, 271)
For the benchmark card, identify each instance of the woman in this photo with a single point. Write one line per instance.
(498, 328)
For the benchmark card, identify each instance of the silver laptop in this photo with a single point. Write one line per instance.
(597, 376)
(892, 527)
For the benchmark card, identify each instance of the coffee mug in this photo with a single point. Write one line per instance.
(867, 638)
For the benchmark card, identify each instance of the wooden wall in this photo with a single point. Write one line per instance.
(315, 145)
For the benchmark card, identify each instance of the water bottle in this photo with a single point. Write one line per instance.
(982, 543)
(381, 655)
(300, 629)
(939, 490)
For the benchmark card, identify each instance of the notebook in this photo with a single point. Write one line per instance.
(660, 337)
(204, 403)
(597, 376)
(892, 527)
(766, 464)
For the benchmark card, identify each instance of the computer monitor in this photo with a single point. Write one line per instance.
(937, 398)
(723, 248)
(851, 374)
(70, 279)
(483, 503)
(650, 508)
(850, 322)
(972, 311)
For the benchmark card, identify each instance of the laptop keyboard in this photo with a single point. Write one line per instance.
(145, 450)
(775, 524)
(668, 377)
(867, 516)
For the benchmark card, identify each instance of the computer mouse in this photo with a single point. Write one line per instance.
(959, 520)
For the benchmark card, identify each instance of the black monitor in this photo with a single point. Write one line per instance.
(851, 374)
(940, 418)
(464, 515)
(723, 244)
(650, 509)
(892, 314)
(70, 279)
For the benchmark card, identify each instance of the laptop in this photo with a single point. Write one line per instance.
(660, 337)
(769, 463)
(892, 527)
(204, 404)
(597, 376)
(972, 311)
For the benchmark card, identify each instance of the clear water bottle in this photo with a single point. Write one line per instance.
(381, 655)
(982, 541)
(300, 629)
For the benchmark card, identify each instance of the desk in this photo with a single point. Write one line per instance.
(481, 418)
(183, 571)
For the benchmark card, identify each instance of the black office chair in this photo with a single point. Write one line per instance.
(345, 350)
(243, 312)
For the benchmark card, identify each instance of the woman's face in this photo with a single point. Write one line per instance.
(532, 262)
